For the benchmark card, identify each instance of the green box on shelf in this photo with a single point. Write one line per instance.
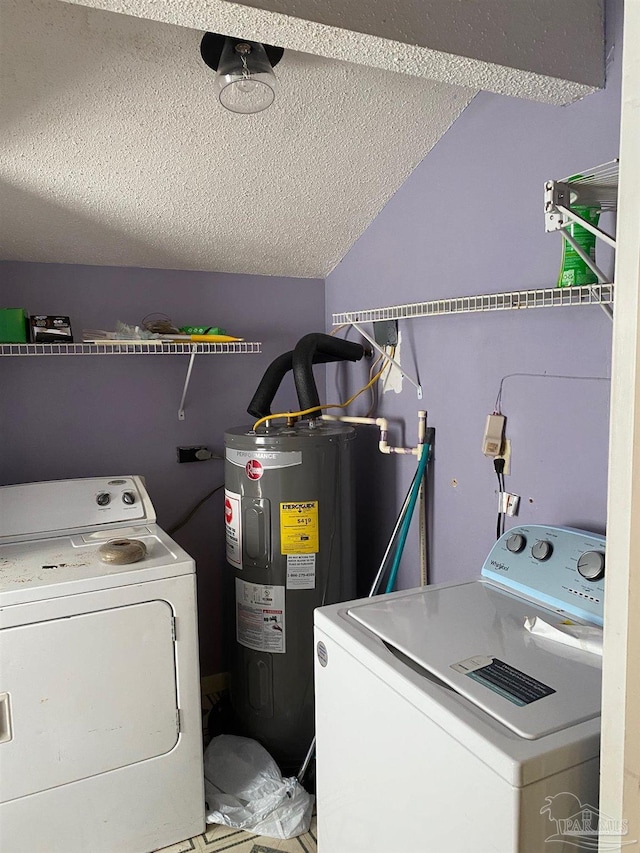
(13, 326)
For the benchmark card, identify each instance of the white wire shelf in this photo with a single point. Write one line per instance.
(552, 297)
(135, 348)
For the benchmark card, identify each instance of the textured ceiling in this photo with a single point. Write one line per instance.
(116, 152)
(513, 48)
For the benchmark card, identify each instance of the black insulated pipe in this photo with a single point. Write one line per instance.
(313, 349)
(260, 405)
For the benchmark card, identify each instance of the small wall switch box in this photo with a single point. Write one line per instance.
(493, 435)
(385, 333)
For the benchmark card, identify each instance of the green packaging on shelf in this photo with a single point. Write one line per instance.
(13, 326)
(201, 330)
(573, 270)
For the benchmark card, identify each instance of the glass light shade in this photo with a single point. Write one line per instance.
(245, 80)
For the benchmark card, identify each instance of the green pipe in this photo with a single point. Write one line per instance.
(406, 523)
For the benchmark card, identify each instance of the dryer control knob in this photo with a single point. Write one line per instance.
(128, 498)
(103, 499)
(516, 543)
(591, 565)
(542, 550)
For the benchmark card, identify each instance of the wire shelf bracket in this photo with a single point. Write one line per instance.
(192, 358)
(595, 189)
(387, 357)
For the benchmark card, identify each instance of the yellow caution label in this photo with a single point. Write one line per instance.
(299, 528)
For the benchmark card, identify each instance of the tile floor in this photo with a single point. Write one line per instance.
(221, 838)
(217, 838)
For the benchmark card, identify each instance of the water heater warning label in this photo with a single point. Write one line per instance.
(299, 528)
(233, 528)
(301, 571)
(260, 617)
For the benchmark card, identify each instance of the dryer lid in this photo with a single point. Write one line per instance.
(471, 636)
(68, 565)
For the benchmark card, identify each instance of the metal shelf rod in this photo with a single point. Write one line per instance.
(192, 358)
(597, 232)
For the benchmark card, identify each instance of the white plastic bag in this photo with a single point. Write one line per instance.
(245, 790)
(586, 637)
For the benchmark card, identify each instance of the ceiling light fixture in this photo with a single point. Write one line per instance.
(244, 80)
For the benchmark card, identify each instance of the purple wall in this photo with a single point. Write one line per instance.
(470, 220)
(90, 416)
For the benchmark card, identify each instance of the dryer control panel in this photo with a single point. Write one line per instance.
(560, 567)
(38, 510)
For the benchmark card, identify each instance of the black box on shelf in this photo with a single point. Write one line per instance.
(49, 329)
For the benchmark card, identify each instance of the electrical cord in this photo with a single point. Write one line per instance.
(387, 366)
(340, 328)
(192, 512)
(498, 403)
(373, 387)
(320, 408)
(160, 323)
(498, 464)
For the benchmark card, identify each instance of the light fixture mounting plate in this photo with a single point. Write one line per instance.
(212, 44)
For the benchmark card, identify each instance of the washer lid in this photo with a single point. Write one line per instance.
(472, 637)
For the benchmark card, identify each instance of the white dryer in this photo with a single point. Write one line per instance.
(445, 726)
(100, 718)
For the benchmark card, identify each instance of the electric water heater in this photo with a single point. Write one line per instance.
(289, 514)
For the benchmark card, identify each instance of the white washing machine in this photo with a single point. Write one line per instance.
(445, 726)
(100, 718)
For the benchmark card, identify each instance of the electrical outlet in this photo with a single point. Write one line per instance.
(506, 455)
(196, 453)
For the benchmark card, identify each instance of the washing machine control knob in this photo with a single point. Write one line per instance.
(516, 543)
(103, 499)
(542, 550)
(128, 498)
(591, 565)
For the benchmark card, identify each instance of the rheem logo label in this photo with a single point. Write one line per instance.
(254, 469)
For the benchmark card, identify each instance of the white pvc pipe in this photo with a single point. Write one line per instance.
(383, 426)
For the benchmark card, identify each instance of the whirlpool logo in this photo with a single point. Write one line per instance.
(499, 566)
